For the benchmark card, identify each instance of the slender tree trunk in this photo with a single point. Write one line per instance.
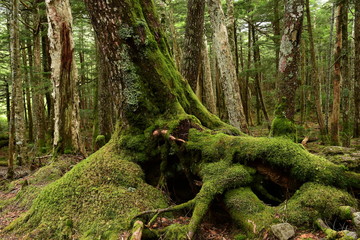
(257, 62)
(38, 83)
(194, 33)
(346, 84)
(226, 66)
(46, 63)
(106, 98)
(356, 71)
(17, 124)
(289, 54)
(329, 72)
(28, 65)
(315, 75)
(64, 77)
(208, 91)
(276, 28)
(337, 79)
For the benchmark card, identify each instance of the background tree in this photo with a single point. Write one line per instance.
(64, 77)
(290, 53)
(193, 42)
(356, 72)
(335, 114)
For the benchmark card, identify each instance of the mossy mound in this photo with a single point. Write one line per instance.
(314, 201)
(97, 199)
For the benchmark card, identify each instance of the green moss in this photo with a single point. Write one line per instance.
(276, 152)
(283, 127)
(250, 213)
(314, 201)
(176, 231)
(99, 196)
(100, 141)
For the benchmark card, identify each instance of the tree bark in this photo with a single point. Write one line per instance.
(316, 77)
(346, 84)
(28, 75)
(257, 62)
(64, 76)
(193, 42)
(17, 122)
(225, 61)
(208, 91)
(337, 79)
(356, 71)
(38, 83)
(290, 54)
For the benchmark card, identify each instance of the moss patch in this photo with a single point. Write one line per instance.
(96, 199)
(314, 201)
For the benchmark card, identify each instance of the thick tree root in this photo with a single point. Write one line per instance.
(217, 178)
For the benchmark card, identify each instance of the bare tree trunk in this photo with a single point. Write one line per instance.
(289, 54)
(28, 75)
(64, 77)
(356, 71)
(226, 66)
(230, 25)
(276, 27)
(329, 72)
(194, 33)
(208, 91)
(17, 124)
(257, 62)
(335, 115)
(346, 84)
(46, 63)
(38, 91)
(316, 77)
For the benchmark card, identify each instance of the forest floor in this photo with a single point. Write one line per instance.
(209, 230)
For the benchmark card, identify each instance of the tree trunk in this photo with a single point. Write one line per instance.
(346, 84)
(17, 99)
(46, 63)
(337, 79)
(316, 77)
(193, 42)
(208, 91)
(38, 83)
(276, 28)
(289, 54)
(356, 71)
(28, 65)
(64, 76)
(329, 72)
(257, 62)
(225, 61)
